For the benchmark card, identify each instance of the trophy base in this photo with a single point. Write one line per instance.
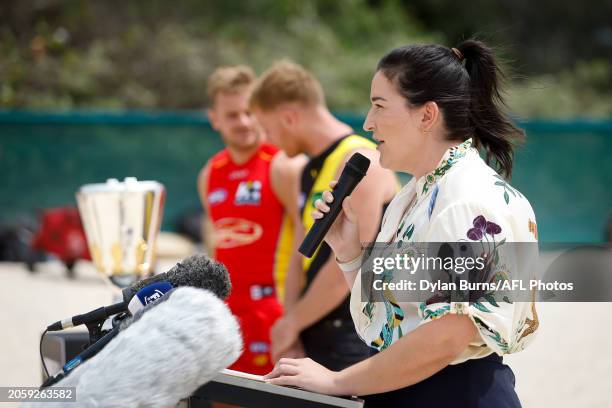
(123, 281)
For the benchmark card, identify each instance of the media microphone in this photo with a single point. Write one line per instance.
(149, 294)
(197, 271)
(163, 356)
(354, 170)
(144, 297)
(97, 315)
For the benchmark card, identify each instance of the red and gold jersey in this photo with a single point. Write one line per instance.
(251, 236)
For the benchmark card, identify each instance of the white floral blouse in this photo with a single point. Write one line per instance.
(463, 198)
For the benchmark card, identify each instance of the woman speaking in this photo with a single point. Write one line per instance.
(433, 109)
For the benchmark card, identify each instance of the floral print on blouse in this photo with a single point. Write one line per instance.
(463, 199)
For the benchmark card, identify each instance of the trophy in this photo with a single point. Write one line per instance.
(121, 222)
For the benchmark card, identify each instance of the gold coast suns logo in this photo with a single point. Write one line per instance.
(248, 193)
(235, 232)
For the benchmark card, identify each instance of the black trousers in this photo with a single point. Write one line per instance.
(478, 383)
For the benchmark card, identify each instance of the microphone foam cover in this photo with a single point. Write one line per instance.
(198, 271)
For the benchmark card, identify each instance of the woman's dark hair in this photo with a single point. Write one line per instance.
(469, 95)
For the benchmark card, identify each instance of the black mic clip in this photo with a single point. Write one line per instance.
(95, 331)
(95, 328)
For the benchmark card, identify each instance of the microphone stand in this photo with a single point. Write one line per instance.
(98, 339)
(95, 328)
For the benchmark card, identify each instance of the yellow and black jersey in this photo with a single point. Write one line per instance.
(316, 176)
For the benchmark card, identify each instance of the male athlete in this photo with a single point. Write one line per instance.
(248, 191)
(289, 103)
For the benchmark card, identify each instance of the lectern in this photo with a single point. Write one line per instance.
(231, 387)
(247, 390)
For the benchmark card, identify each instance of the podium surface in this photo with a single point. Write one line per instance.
(233, 387)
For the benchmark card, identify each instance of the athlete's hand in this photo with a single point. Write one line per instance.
(295, 351)
(343, 236)
(283, 335)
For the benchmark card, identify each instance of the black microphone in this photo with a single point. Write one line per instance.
(83, 356)
(162, 356)
(354, 170)
(96, 347)
(197, 271)
(96, 315)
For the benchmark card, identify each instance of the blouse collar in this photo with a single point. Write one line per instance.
(451, 156)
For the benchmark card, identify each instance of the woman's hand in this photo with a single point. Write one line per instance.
(343, 236)
(306, 374)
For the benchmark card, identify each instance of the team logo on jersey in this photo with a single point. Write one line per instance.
(256, 347)
(248, 193)
(315, 197)
(217, 196)
(259, 292)
(261, 360)
(238, 174)
(235, 232)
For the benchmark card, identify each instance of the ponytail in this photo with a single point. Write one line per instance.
(493, 130)
(465, 82)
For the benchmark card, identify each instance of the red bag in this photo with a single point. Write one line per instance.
(62, 234)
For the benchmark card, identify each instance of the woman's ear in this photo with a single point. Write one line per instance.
(431, 113)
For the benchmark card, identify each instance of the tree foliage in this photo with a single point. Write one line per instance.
(64, 54)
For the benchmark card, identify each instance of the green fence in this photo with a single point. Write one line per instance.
(565, 168)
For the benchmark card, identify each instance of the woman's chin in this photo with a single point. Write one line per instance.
(383, 163)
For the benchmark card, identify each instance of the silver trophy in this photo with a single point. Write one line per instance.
(122, 221)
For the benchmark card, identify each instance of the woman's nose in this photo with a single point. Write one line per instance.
(368, 124)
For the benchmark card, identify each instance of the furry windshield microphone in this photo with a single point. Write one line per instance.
(137, 308)
(169, 350)
(198, 271)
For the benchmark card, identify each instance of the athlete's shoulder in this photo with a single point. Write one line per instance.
(267, 151)
(219, 160)
(355, 144)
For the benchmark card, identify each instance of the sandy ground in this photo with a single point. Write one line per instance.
(569, 364)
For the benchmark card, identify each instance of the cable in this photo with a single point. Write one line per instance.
(42, 336)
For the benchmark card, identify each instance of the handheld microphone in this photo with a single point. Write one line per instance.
(162, 357)
(353, 172)
(198, 271)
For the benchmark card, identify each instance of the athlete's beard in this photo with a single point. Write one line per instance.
(241, 146)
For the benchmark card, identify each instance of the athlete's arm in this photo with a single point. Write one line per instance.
(329, 287)
(285, 176)
(208, 230)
